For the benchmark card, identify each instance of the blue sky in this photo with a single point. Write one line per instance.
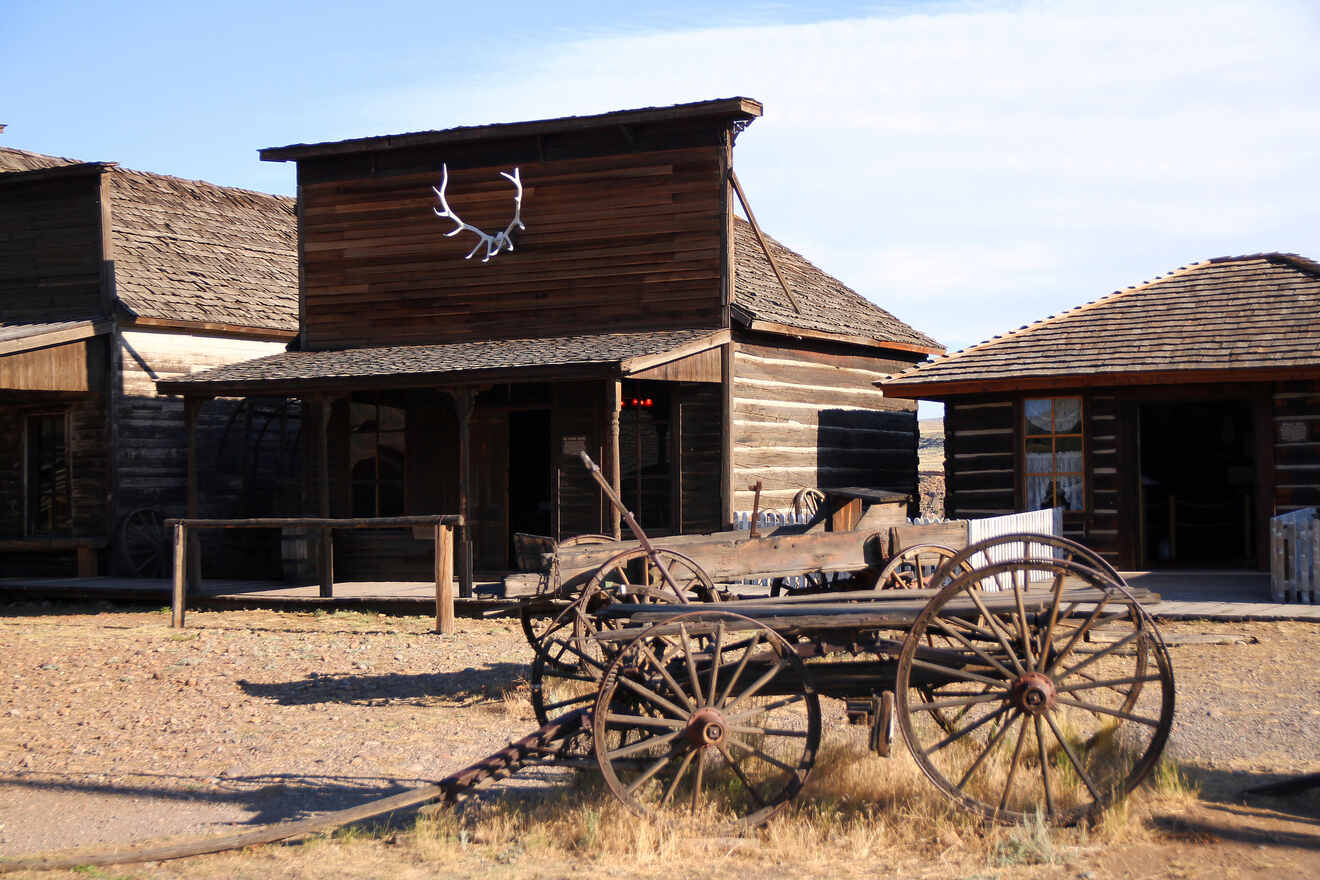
(971, 166)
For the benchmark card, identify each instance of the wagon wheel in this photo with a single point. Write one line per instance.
(633, 577)
(1006, 548)
(807, 502)
(566, 675)
(144, 544)
(916, 567)
(1053, 722)
(534, 624)
(710, 711)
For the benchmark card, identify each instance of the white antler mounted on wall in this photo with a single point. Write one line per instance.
(494, 243)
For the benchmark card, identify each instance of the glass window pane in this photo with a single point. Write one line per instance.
(1037, 414)
(1068, 415)
(1040, 493)
(390, 462)
(362, 456)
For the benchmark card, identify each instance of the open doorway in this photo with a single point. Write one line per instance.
(1198, 475)
(531, 502)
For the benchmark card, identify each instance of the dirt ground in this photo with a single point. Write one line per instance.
(115, 728)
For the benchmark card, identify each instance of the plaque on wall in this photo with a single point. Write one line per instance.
(1292, 432)
(575, 444)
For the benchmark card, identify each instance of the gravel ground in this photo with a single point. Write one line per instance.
(114, 727)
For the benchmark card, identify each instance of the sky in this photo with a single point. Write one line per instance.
(969, 166)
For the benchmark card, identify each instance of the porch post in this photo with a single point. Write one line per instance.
(464, 399)
(326, 558)
(613, 403)
(191, 407)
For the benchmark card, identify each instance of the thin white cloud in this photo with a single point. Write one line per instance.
(977, 167)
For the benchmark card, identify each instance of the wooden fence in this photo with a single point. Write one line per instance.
(1295, 556)
(187, 553)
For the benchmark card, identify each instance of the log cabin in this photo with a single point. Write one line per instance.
(1170, 420)
(109, 280)
(631, 314)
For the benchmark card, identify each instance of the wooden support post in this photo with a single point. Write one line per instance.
(326, 550)
(464, 399)
(613, 404)
(180, 557)
(726, 434)
(444, 579)
(191, 407)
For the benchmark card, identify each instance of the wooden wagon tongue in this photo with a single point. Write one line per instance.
(633, 525)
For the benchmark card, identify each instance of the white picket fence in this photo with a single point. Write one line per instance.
(1295, 556)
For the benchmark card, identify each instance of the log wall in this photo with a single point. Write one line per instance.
(617, 242)
(808, 415)
(1296, 445)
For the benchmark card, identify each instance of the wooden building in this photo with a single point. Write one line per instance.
(1170, 420)
(636, 318)
(109, 280)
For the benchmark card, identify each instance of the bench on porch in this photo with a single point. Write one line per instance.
(84, 549)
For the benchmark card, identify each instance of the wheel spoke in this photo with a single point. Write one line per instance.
(1105, 710)
(1098, 655)
(1013, 765)
(697, 775)
(1077, 765)
(691, 664)
(767, 731)
(1047, 640)
(1044, 770)
(958, 734)
(664, 673)
(1112, 684)
(752, 750)
(768, 707)
(585, 698)
(673, 783)
(761, 682)
(645, 721)
(935, 705)
(956, 673)
(642, 745)
(711, 686)
(652, 696)
(998, 630)
(1022, 623)
(990, 747)
(649, 772)
(737, 672)
(1008, 673)
(1079, 632)
(747, 783)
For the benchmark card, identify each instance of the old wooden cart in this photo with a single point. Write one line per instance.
(1032, 683)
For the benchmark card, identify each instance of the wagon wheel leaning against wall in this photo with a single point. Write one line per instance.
(143, 545)
(1053, 719)
(710, 712)
(535, 623)
(919, 567)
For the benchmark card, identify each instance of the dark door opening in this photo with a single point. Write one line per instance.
(646, 456)
(1198, 475)
(531, 501)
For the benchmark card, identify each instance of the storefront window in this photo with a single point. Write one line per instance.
(1055, 470)
(49, 510)
(376, 457)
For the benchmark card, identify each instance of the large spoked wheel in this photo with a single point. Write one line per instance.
(633, 577)
(1026, 546)
(916, 567)
(711, 713)
(533, 615)
(1063, 694)
(144, 544)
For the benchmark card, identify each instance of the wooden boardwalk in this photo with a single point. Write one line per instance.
(1186, 595)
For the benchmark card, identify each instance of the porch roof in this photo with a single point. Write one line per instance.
(457, 363)
(17, 336)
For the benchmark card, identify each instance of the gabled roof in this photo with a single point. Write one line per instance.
(829, 307)
(1246, 315)
(453, 362)
(190, 252)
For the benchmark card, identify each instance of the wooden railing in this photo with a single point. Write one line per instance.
(187, 554)
(1295, 556)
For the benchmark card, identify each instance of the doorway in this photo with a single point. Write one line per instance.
(531, 483)
(1197, 484)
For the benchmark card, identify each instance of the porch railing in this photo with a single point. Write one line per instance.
(1295, 556)
(187, 553)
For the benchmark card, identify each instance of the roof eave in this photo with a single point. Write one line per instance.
(868, 341)
(734, 108)
(913, 389)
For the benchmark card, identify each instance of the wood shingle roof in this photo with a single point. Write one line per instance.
(22, 160)
(827, 305)
(1258, 313)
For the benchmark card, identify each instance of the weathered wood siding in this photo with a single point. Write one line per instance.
(699, 440)
(151, 444)
(50, 248)
(809, 415)
(980, 458)
(614, 242)
(1296, 445)
(74, 366)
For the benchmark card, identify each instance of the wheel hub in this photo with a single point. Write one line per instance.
(1033, 693)
(706, 727)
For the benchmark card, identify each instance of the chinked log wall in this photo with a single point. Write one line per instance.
(809, 415)
(1296, 445)
(613, 243)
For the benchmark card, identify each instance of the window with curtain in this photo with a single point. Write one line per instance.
(1055, 471)
(375, 455)
(49, 508)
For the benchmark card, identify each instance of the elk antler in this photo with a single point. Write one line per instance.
(494, 243)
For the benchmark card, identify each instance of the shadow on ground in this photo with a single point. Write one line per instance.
(483, 683)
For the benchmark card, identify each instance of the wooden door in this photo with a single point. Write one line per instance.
(488, 490)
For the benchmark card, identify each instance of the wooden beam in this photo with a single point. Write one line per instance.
(940, 390)
(326, 555)
(212, 327)
(726, 435)
(613, 405)
(180, 556)
(825, 336)
(464, 399)
(71, 333)
(765, 246)
(444, 579)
